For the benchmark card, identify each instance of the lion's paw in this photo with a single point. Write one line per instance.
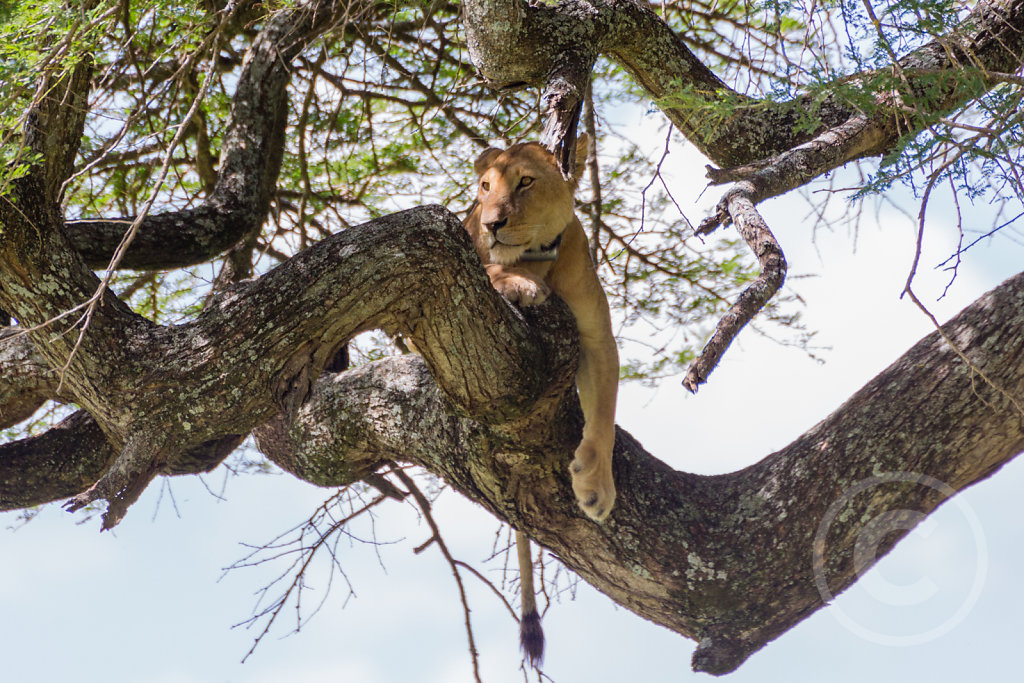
(522, 290)
(592, 481)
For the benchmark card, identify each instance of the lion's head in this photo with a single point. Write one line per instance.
(525, 203)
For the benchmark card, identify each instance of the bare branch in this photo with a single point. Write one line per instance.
(424, 506)
(738, 208)
(325, 528)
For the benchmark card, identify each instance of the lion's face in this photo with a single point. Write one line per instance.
(524, 201)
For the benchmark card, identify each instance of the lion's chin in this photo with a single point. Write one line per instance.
(506, 255)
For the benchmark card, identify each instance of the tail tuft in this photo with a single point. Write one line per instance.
(531, 638)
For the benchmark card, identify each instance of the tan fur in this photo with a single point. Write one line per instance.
(531, 635)
(532, 214)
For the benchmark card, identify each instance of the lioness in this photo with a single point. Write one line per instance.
(532, 244)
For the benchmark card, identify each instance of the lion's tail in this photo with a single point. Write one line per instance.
(531, 634)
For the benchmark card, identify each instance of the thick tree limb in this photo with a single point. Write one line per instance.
(726, 560)
(59, 463)
(490, 405)
(258, 346)
(105, 355)
(69, 457)
(251, 153)
(525, 51)
(668, 551)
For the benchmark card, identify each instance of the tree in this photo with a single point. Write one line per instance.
(149, 140)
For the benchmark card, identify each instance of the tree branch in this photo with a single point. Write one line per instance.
(738, 208)
(669, 550)
(70, 456)
(258, 346)
(108, 358)
(527, 50)
(563, 98)
(251, 154)
(489, 405)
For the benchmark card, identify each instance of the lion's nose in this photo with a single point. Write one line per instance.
(497, 225)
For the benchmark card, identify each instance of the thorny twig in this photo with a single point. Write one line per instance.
(908, 290)
(424, 506)
(281, 546)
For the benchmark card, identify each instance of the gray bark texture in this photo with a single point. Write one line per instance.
(489, 405)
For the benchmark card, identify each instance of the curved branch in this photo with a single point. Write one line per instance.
(738, 208)
(252, 150)
(989, 40)
(62, 461)
(108, 358)
(669, 551)
(259, 346)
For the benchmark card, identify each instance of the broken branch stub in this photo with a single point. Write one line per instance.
(738, 208)
(563, 97)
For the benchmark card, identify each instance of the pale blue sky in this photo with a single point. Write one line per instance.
(144, 605)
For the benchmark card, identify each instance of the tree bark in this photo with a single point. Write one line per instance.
(259, 346)
(528, 49)
(669, 550)
(731, 561)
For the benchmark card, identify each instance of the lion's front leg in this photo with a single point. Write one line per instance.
(591, 467)
(592, 481)
(575, 280)
(518, 286)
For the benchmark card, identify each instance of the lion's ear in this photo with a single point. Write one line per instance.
(486, 158)
(582, 149)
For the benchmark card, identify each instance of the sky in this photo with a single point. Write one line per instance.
(149, 602)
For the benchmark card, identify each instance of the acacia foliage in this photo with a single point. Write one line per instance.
(386, 112)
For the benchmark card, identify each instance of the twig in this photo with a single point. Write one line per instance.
(908, 290)
(960, 353)
(490, 585)
(305, 558)
(424, 506)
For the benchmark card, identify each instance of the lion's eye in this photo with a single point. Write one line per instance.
(486, 185)
(525, 181)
